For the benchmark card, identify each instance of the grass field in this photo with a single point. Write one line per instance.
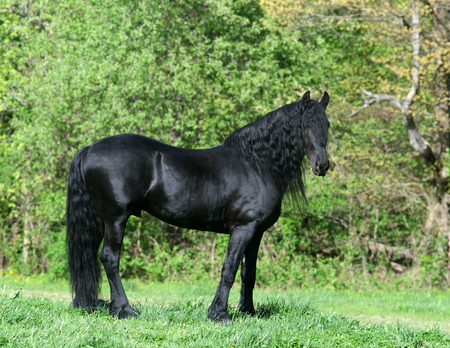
(174, 315)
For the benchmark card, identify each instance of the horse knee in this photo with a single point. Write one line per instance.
(108, 259)
(228, 278)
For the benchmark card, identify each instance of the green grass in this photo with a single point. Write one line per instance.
(423, 309)
(174, 315)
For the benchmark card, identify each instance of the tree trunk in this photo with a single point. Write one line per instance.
(27, 230)
(441, 31)
(433, 155)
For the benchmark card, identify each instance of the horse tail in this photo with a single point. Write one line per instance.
(85, 231)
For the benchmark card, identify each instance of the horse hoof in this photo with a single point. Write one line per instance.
(124, 312)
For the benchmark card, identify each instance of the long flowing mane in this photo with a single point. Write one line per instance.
(274, 143)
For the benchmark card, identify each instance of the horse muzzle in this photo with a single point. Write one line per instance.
(320, 168)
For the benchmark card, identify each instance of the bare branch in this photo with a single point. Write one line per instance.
(416, 139)
(372, 98)
(361, 17)
(404, 107)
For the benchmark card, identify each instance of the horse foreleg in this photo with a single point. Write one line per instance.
(110, 257)
(248, 275)
(239, 239)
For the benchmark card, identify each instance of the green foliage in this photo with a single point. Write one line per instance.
(90, 70)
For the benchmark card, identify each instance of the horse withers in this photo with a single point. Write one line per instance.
(235, 188)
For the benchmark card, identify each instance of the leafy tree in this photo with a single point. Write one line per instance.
(187, 73)
(404, 159)
(433, 155)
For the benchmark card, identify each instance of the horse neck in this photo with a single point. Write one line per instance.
(273, 144)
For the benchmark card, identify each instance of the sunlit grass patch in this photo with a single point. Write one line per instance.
(174, 315)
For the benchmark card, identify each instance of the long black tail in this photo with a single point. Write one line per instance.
(84, 235)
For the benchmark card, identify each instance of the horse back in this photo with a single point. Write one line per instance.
(200, 189)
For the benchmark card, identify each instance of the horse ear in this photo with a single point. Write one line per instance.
(325, 100)
(306, 99)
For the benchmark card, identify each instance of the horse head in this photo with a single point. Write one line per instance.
(314, 127)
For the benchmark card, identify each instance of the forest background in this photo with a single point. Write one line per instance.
(189, 73)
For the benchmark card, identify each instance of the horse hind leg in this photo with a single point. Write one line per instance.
(110, 257)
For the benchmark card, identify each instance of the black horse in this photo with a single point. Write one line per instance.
(235, 188)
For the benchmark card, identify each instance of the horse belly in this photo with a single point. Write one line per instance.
(184, 209)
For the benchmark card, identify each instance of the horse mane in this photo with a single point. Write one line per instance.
(274, 143)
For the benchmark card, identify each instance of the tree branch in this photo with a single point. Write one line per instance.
(416, 140)
(372, 98)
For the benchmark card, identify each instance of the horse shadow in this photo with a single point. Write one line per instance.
(262, 310)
